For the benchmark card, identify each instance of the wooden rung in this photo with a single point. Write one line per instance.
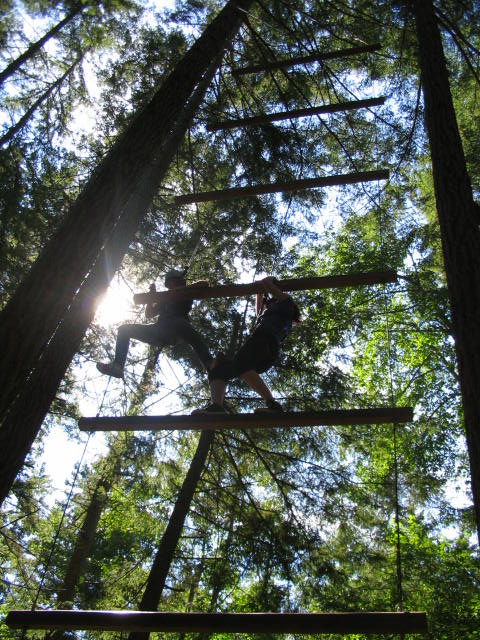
(276, 187)
(293, 284)
(150, 621)
(316, 57)
(295, 113)
(378, 415)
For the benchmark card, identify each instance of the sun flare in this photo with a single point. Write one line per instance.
(116, 305)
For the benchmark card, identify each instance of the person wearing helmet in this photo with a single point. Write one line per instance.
(276, 311)
(173, 324)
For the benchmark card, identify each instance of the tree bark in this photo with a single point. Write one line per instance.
(36, 46)
(168, 544)
(459, 226)
(35, 310)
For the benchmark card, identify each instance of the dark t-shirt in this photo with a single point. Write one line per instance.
(277, 319)
(175, 309)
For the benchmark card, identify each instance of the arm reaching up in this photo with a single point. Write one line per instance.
(270, 287)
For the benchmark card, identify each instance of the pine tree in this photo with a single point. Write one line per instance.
(35, 47)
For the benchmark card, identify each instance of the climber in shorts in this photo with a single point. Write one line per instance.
(276, 312)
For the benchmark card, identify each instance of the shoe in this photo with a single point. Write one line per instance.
(209, 409)
(272, 407)
(110, 369)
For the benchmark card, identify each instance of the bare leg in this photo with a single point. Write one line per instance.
(217, 391)
(256, 383)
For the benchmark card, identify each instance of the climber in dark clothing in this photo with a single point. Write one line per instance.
(172, 325)
(275, 316)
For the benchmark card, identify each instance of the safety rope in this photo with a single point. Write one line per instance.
(284, 100)
(79, 465)
(57, 533)
(204, 230)
(309, 103)
(398, 556)
(391, 393)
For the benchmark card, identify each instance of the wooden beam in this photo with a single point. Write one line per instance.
(295, 113)
(377, 415)
(316, 57)
(276, 187)
(150, 621)
(292, 284)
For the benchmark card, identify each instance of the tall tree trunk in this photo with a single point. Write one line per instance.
(78, 559)
(168, 544)
(25, 414)
(36, 46)
(35, 310)
(459, 226)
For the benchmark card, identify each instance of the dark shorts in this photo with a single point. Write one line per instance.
(257, 354)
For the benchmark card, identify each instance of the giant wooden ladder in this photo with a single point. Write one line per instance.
(306, 623)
